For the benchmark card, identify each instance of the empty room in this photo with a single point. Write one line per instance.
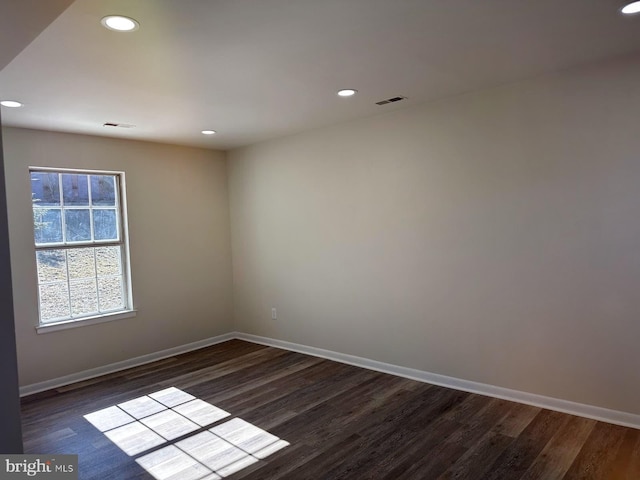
(337, 239)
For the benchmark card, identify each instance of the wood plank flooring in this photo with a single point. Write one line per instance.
(340, 421)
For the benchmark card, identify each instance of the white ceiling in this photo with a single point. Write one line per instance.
(259, 69)
(22, 20)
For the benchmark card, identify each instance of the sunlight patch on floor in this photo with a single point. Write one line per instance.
(174, 420)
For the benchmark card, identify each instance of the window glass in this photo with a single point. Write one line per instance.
(80, 244)
(54, 302)
(47, 225)
(77, 225)
(103, 190)
(105, 224)
(52, 266)
(75, 189)
(45, 189)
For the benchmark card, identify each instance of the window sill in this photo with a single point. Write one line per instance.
(85, 322)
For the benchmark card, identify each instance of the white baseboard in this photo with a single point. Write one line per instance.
(565, 406)
(580, 409)
(118, 366)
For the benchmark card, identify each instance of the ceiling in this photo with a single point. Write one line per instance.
(258, 69)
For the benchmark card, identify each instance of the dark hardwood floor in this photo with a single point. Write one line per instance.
(341, 422)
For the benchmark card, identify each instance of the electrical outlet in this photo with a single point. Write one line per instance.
(274, 314)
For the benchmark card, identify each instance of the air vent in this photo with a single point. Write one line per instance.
(121, 125)
(390, 100)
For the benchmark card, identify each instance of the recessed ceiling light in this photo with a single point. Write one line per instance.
(631, 8)
(120, 23)
(347, 92)
(10, 103)
(208, 132)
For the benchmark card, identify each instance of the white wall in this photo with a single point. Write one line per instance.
(492, 237)
(180, 250)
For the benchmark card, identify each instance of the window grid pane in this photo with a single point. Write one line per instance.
(45, 189)
(52, 266)
(75, 189)
(108, 261)
(47, 225)
(54, 302)
(77, 224)
(110, 293)
(84, 297)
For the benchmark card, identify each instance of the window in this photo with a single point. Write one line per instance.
(80, 244)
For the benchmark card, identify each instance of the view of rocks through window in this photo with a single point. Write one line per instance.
(78, 282)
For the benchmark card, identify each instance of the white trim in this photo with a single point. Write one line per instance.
(565, 406)
(74, 170)
(84, 322)
(125, 364)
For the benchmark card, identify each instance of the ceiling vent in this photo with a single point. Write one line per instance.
(390, 100)
(121, 125)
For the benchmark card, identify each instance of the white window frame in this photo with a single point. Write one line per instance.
(123, 242)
